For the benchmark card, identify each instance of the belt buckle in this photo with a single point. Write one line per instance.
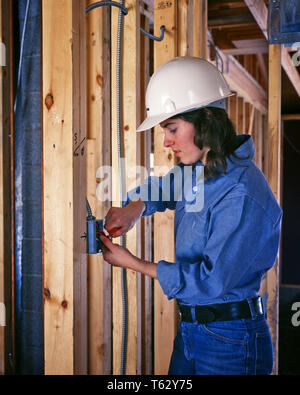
(179, 315)
(256, 306)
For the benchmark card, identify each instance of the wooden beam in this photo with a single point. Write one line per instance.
(233, 111)
(290, 117)
(245, 51)
(145, 316)
(260, 13)
(200, 28)
(290, 69)
(251, 122)
(259, 140)
(165, 323)
(98, 155)
(65, 314)
(274, 155)
(130, 118)
(6, 232)
(184, 26)
(241, 116)
(243, 83)
(79, 187)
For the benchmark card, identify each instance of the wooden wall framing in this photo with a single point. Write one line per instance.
(6, 193)
(64, 212)
(82, 295)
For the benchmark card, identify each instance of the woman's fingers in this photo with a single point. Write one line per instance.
(107, 243)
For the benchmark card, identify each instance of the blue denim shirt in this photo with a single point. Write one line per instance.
(223, 249)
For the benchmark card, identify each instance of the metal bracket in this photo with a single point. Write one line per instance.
(125, 12)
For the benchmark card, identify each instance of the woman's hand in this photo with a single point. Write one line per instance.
(120, 220)
(119, 256)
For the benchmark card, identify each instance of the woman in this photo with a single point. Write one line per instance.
(225, 243)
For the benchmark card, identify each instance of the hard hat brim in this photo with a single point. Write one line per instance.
(155, 120)
(150, 122)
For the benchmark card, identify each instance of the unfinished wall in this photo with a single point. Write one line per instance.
(83, 306)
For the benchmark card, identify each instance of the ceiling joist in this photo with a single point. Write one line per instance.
(260, 14)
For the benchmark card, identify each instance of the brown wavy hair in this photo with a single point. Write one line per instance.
(213, 129)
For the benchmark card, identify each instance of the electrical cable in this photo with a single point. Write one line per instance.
(122, 11)
(21, 53)
(89, 210)
(121, 173)
(108, 3)
(160, 38)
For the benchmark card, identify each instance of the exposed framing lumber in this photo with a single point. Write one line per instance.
(290, 117)
(165, 322)
(233, 110)
(242, 82)
(6, 235)
(79, 187)
(64, 150)
(200, 28)
(98, 155)
(245, 51)
(184, 14)
(241, 116)
(145, 317)
(130, 111)
(274, 155)
(260, 13)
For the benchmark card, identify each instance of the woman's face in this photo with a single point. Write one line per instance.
(179, 136)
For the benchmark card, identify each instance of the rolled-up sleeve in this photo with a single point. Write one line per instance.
(239, 231)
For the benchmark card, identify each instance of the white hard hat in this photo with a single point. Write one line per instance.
(183, 84)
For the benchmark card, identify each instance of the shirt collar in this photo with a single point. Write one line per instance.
(244, 153)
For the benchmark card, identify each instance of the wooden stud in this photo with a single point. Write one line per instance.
(145, 316)
(79, 187)
(200, 28)
(251, 122)
(233, 111)
(130, 120)
(58, 188)
(65, 314)
(184, 24)
(259, 141)
(247, 117)
(165, 323)
(242, 82)
(6, 189)
(240, 115)
(98, 155)
(274, 154)
(259, 11)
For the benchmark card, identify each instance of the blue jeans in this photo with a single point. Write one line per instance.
(239, 347)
